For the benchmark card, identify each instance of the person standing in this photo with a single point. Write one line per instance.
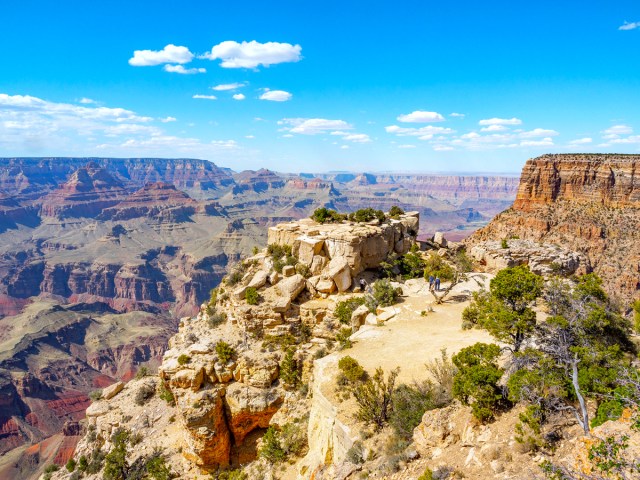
(363, 284)
(431, 280)
(437, 284)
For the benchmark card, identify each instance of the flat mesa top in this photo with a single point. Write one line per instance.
(589, 157)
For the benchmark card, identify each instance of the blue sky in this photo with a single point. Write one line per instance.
(404, 86)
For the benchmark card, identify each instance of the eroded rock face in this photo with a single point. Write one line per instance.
(588, 204)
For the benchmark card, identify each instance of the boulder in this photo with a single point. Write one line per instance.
(288, 270)
(317, 264)
(340, 273)
(290, 287)
(238, 293)
(112, 390)
(188, 378)
(97, 409)
(274, 277)
(358, 317)
(371, 319)
(325, 285)
(438, 238)
(259, 280)
(308, 248)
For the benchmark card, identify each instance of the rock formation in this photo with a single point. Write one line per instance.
(589, 204)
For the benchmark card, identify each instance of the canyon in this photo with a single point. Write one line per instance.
(99, 257)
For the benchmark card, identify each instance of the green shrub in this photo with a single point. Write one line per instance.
(144, 393)
(411, 265)
(225, 352)
(71, 465)
(436, 266)
(395, 212)
(325, 215)
(237, 474)
(213, 296)
(83, 463)
(95, 395)
(276, 251)
(342, 337)
(636, 315)
(215, 319)
(427, 475)
(409, 405)
(384, 293)
(374, 397)
(116, 463)
(504, 243)
(303, 270)
(271, 448)
(355, 454)
(156, 467)
(165, 394)
(281, 342)
(251, 296)
(350, 370)
(293, 437)
(184, 359)
(255, 250)
(289, 373)
(345, 309)
(142, 372)
(367, 214)
(476, 382)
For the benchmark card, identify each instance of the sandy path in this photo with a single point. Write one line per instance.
(409, 340)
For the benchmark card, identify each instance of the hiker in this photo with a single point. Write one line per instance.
(437, 284)
(363, 284)
(431, 280)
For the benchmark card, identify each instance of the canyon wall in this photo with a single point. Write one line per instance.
(586, 203)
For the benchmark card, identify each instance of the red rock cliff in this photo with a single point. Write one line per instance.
(586, 203)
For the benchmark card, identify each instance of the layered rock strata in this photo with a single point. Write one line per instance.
(589, 204)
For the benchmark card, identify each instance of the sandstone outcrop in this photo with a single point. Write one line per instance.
(589, 204)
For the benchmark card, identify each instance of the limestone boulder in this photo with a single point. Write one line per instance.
(317, 264)
(188, 378)
(358, 317)
(308, 248)
(259, 280)
(259, 372)
(438, 239)
(290, 287)
(288, 271)
(340, 272)
(274, 277)
(441, 428)
(238, 293)
(249, 408)
(112, 390)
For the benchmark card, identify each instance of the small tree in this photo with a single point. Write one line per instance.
(395, 212)
(505, 310)
(271, 448)
(116, 465)
(375, 398)
(289, 373)
(350, 371)
(476, 382)
(384, 293)
(345, 309)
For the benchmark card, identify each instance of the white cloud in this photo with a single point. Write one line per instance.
(581, 141)
(344, 147)
(287, 135)
(629, 26)
(457, 115)
(313, 126)
(87, 101)
(442, 148)
(406, 145)
(618, 130)
(494, 128)
(470, 135)
(249, 136)
(168, 119)
(253, 54)
(538, 132)
(500, 121)
(423, 133)
(183, 71)
(545, 142)
(227, 86)
(205, 97)
(357, 138)
(420, 116)
(276, 96)
(169, 54)
(239, 96)
(631, 139)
